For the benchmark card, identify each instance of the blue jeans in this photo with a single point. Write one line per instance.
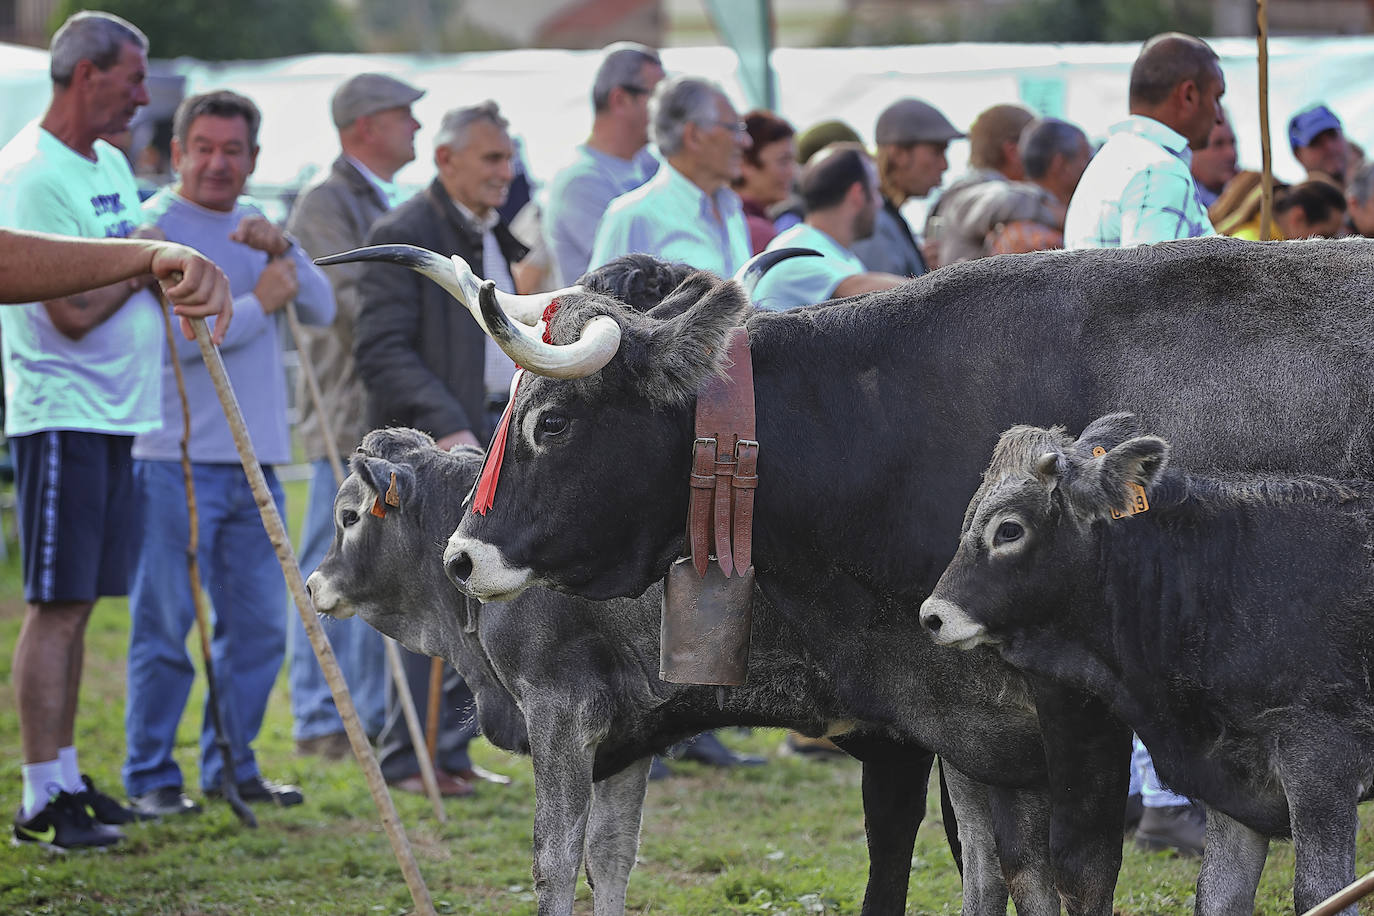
(358, 647)
(1153, 793)
(241, 575)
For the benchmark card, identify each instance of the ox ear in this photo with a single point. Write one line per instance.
(690, 348)
(1107, 482)
(394, 483)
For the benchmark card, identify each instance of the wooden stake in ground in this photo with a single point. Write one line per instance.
(228, 783)
(393, 656)
(1266, 155)
(343, 702)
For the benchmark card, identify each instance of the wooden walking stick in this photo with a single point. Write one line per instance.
(393, 656)
(343, 702)
(436, 691)
(1344, 897)
(1266, 155)
(228, 783)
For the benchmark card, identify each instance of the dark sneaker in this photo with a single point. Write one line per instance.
(258, 789)
(708, 749)
(164, 801)
(334, 746)
(1178, 828)
(64, 825)
(105, 809)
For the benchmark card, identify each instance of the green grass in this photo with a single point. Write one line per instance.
(782, 839)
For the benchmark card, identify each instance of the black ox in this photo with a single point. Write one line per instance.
(1231, 624)
(875, 415)
(572, 683)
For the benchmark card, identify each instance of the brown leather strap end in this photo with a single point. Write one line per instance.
(745, 481)
(699, 510)
(725, 470)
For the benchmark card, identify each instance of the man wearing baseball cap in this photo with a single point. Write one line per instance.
(377, 135)
(912, 137)
(1319, 143)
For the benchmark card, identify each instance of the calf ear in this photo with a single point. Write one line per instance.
(1106, 481)
(393, 482)
(1107, 432)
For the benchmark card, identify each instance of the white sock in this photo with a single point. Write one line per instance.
(71, 773)
(41, 782)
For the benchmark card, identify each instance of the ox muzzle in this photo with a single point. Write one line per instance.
(480, 569)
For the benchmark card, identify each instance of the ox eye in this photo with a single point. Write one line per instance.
(553, 424)
(348, 518)
(1008, 532)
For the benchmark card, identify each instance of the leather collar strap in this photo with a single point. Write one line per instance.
(725, 465)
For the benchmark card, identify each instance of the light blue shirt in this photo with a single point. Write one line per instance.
(251, 350)
(579, 195)
(805, 280)
(1138, 189)
(107, 381)
(673, 219)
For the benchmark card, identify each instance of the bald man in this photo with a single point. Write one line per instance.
(1138, 189)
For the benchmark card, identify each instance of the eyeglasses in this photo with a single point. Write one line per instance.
(738, 127)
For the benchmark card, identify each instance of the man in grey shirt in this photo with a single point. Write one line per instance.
(615, 158)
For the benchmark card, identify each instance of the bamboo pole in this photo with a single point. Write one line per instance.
(1344, 897)
(343, 702)
(393, 657)
(228, 782)
(1266, 154)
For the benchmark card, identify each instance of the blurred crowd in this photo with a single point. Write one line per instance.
(671, 168)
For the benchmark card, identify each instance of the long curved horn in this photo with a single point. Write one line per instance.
(454, 275)
(593, 349)
(753, 270)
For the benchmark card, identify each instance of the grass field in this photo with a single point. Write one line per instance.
(782, 839)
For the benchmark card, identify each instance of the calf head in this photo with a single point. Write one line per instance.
(384, 562)
(1030, 529)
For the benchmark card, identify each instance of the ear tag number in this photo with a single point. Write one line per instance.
(393, 498)
(1138, 503)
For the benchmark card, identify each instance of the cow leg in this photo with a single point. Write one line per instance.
(1087, 751)
(1324, 823)
(1232, 858)
(1021, 820)
(895, 779)
(562, 802)
(613, 835)
(985, 891)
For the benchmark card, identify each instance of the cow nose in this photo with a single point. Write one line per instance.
(931, 621)
(459, 568)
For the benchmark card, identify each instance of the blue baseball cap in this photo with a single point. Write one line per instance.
(1304, 126)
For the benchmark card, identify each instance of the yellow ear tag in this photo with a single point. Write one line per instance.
(378, 509)
(392, 497)
(1138, 503)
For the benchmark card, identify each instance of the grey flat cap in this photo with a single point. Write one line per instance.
(369, 93)
(914, 121)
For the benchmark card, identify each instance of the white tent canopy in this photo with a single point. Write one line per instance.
(545, 93)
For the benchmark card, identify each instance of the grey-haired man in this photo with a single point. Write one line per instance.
(372, 112)
(425, 366)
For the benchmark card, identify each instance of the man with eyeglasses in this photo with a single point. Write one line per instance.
(687, 211)
(615, 158)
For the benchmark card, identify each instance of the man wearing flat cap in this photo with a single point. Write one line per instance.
(1319, 143)
(912, 137)
(372, 112)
